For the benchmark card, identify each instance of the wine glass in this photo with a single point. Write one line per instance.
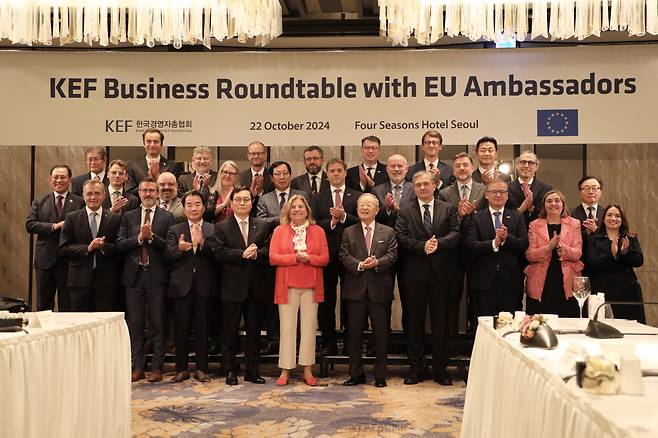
(581, 291)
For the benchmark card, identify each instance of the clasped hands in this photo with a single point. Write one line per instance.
(250, 252)
(431, 245)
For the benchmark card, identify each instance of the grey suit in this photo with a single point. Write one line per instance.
(381, 190)
(175, 208)
(269, 206)
(452, 195)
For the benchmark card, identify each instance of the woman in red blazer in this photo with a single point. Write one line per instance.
(299, 251)
(554, 255)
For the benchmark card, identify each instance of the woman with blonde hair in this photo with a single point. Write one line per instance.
(554, 255)
(218, 206)
(299, 251)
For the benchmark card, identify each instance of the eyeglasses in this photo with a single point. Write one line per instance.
(147, 190)
(255, 154)
(60, 178)
(529, 163)
(590, 188)
(278, 174)
(227, 173)
(432, 143)
(94, 159)
(370, 148)
(239, 200)
(497, 192)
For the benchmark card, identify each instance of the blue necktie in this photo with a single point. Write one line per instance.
(94, 232)
(427, 218)
(497, 223)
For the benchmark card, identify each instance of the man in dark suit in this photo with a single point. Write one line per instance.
(145, 274)
(96, 160)
(432, 144)
(270, 204)
(588, 212)
(153, 163)
(496, 239)
(370, 172)
(368, 252)
(394, 193)
(315, 178)
(428, 236)
(117, 199)
(486, 150)
(203, 176)
(46, 219)
(334, 209)
(88, 240)
(241, 245)
(258, 177)
(526, 193)
(192, 282)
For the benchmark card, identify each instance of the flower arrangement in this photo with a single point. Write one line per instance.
(531, 324)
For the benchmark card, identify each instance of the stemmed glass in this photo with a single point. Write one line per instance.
(581, 290)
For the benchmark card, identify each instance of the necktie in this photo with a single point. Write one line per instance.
(368, 239)
(427, 218)
(245, 232)
(464, 192)
(193, 228)
(164, 205)
(59, 205)
(314, 184)
(145, 244)
(283, 200)
(338, 202)
(94, 232)
(431, 166)
(497, 223)
(115, 195)
(369, 172)
(526, 188)
(97, 178)
(590, 214)
(200, 182)
(397, 195)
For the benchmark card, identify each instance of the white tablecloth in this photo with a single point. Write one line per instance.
(515, 391)
(70, 378)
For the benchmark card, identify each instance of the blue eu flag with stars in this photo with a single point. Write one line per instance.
(557, 122)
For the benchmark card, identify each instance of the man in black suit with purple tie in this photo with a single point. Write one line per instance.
(428, 237)
(368, 252)
(241, 245)
(496, 239)
(46, 219)
(88, 240)
(145, 275)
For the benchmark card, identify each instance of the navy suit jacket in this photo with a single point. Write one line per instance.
(78, 181)
(137, 171)
(516, 197)
(352, 179)
(446, 172)
(321, 203)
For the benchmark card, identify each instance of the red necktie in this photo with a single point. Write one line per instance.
(337, 201)
(145, 245)
(526, 188)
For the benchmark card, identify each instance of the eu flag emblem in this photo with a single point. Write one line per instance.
(557, 122)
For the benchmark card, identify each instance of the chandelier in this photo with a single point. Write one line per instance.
(139, 22)
(493, 20)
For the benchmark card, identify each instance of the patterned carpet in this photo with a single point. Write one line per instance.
(192, 409)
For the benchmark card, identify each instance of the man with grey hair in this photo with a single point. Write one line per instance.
(203, 176)
(396, 192)
(526, 192)
(96, 160)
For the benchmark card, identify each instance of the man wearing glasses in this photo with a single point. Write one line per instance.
(370, 172)
(526, 192)
(271, 203)
(496, 238)
(95, 159)
(588, 212)
(432, 144)
(257, 177)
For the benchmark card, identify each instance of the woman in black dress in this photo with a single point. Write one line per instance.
(612, 253)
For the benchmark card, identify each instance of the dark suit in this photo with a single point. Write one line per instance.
(381, 190)
(446, 172)
(51, 267)
(352, 180)
(192, 282)
(268, 186)
(244, 288)
(303, 183)
(321, 203)
(426, 279)
(138, 170)
(145, 283)
(368, 292)
(496, 278)
(133, 201)
(516, 197)
(78, 181)
(477, 176)
(186, 183)
(91, 288)
(580, 214)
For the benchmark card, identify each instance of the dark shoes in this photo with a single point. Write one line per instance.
(269, 349)
(380, 382)
(201, 376)
(254, 378)
(353, 381)
(155, 376)
(137, 375)
(181, 376)
(413, 378)
(231, 378)
(443, 378)
(327, 350)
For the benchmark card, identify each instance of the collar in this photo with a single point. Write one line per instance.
(427, 163)
(190, 223)
(372, 166)
(341, 188)
(261, 172)
(585, 207)
(286, 191)
(101, 176)
(421, 203)
(152, 160)
(469, 184)
(400, 184)
(65, 194)
(319, 175)
(492, 211)
(150, 208)
(111, 190)
(364, 225)
(99, 211)
(529, 182)
(483, 170)
(238, 220)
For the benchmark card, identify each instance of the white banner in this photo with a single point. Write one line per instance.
(589, 94)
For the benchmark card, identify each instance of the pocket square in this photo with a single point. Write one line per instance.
(380, 241)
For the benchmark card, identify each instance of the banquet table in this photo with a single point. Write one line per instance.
(69, 378)
(515, 391)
